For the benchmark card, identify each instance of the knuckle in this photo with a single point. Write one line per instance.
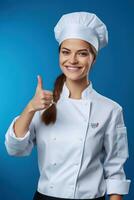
(42, 96)
(42, 102)
(42, 106)
(47, 92)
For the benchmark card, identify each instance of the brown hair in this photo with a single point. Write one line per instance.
(50, 114)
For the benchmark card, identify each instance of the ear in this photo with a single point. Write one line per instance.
(94, 60)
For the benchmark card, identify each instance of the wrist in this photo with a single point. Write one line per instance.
(30, 108)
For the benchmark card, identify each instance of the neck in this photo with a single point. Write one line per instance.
(76, 87)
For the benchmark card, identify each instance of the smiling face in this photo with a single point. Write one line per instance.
(75, 59)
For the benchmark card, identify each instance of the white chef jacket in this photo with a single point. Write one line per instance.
(81, 156)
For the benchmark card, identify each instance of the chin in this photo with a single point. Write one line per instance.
(73, 78)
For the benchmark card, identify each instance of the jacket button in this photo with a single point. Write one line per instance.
(54, 164)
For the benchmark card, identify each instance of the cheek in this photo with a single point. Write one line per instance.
(89, 61)
(61, 63)
(61, 60)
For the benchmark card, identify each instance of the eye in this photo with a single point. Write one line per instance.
(65, 52)
(83, 54)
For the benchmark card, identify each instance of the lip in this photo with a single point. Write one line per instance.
(73, 66)
(73, 69)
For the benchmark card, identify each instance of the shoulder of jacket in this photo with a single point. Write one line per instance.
(106, 102)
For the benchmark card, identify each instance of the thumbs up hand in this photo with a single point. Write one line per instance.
(42, 99)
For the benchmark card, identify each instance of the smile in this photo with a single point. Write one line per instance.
(73, 69)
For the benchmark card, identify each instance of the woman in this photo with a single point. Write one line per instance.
(80, 135)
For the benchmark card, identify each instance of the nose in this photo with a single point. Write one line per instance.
(73, 59)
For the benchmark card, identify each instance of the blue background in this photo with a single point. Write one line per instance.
(28, 48)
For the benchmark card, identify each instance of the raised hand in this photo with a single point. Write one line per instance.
(42, 98)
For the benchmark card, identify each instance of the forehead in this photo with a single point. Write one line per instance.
(75, 44)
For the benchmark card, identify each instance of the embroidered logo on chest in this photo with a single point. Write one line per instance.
(95, 125)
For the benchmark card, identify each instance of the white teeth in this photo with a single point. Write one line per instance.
(73, 68)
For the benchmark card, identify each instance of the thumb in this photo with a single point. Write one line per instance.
(40, 82)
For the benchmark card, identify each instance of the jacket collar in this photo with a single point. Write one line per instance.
(85, 93)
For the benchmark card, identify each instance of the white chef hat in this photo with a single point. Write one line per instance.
(82, 25)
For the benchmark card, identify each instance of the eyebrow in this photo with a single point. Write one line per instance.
(77, 50)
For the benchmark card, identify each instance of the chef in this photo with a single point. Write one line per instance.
(80, 135)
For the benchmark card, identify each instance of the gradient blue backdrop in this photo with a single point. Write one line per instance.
(28, 48)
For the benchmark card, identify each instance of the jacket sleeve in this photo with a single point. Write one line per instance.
(16, 146)
(116, 153)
